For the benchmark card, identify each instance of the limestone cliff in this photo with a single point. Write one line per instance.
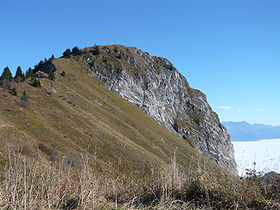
(154, 85)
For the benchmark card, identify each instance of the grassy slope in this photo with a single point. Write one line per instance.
(74, 115)
(79, 116)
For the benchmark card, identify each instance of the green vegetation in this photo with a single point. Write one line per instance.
(51, 76)
(76, 51)
(6, 75)
(196, 117)
(95, 50)
(67, 53)
(30, 73)
(24, 97)
(19, 77)
(14, 91)
(36, 83)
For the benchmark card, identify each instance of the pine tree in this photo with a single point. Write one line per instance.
(67, 53)
(7, 75)
(76, 51)
(19, 75)
(29, 73)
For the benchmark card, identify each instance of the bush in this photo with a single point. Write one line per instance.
(24, 97)
(14, 91)
(36, 83)
(95, 51)
(51, 76)
(6, 84)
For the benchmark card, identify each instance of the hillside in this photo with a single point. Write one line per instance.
(155, 86)
(75, 142)
(74, 114)
(243, 131)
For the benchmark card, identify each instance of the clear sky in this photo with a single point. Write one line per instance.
(229, 49)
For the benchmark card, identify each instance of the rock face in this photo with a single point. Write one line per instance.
(154, 85)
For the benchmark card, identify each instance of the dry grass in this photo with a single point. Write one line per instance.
(33, 183)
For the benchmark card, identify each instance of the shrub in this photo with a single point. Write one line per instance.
(95, 51)
(36, 83)
(51, 152)
(6, 84)
(14, 91)
(51, 76)
(24, 97)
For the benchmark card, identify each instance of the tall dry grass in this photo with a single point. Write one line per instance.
(34, 184)
(31, 183)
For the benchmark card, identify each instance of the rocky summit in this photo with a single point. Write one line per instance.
(155, 86)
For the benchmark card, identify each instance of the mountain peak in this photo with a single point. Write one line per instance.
(155, 86)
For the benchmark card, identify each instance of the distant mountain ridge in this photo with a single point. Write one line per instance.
(243, 131)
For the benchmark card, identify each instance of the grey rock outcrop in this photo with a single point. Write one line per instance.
(154, 85)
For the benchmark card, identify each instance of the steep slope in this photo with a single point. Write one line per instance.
(74, 114)
(155, 86)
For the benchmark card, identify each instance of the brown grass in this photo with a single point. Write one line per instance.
(33, 183)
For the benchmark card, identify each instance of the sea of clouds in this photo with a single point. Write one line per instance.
(265, 153)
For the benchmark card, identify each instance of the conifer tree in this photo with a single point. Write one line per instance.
(6, 74)
(67, 53)
(76, 51)
(19, 75)
(29, 73)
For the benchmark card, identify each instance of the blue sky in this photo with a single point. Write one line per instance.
(229, 49)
